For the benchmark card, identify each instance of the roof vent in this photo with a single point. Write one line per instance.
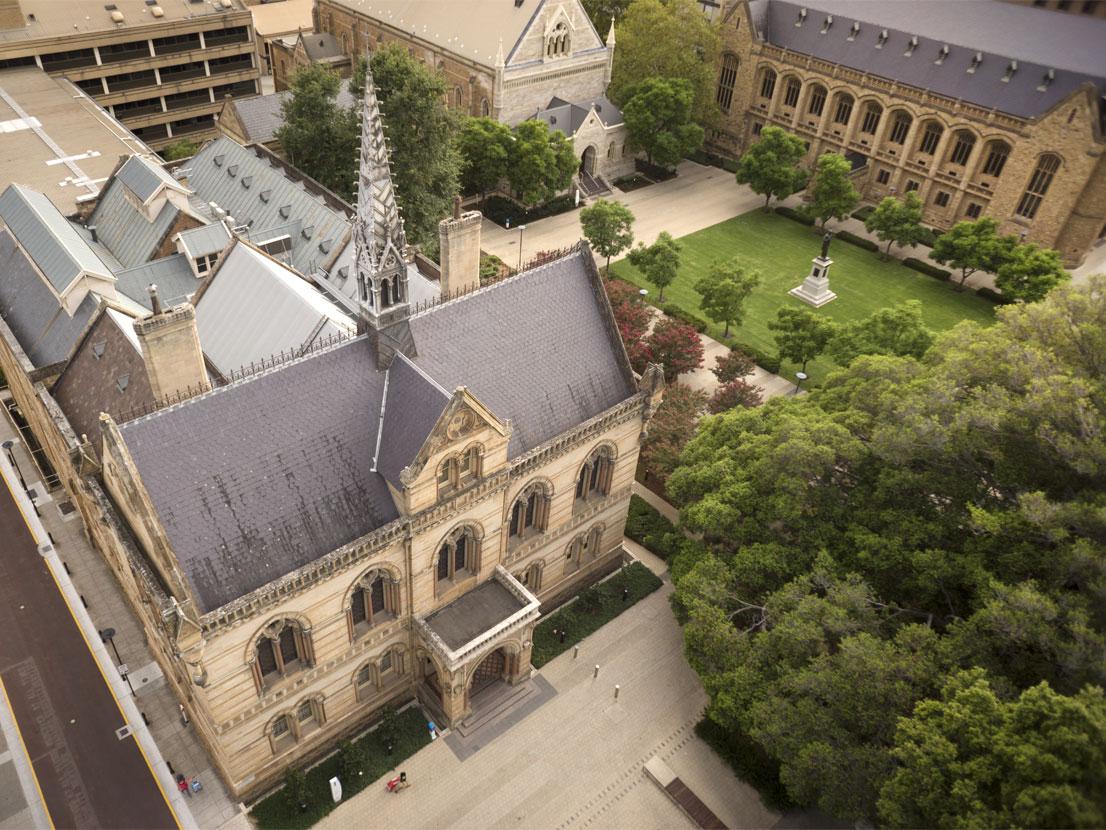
(285, 211)
(827, 23)
(247, 181)
(942, 53)
(117, 16)
(801, 17)
(343, 272)
(977, 59)
(265, 195)
(1047, 80)
(157, 11)
(911, 45)
(98, 349)
(1011, 68)
(226, 4)
(325, 246)
(219, 160)
(232, 171)
(518, 3)
(122, 382)
(882, 39)
(854, 30)
(308, 232)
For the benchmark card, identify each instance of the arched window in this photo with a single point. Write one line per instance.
(281, 734)
(283, 648)
(459, 470)
(531, 577)
(364, 682)
(458, 97)
(583, 549)
(726, 80)
(997, 153)
(458, 556)
(963, 142)
(768, 84)
(791, 92)
(557, 43)
(309, 716)
(375, 599)
(817, 101)
(386, 298)
(530, 512)
(1039, 182)
(843, 110)
(931, 137)
(594, 480)
(872, 113)
(390, 667)
(900, 127)
(485, 108)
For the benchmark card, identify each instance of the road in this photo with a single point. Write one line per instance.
(66, 713)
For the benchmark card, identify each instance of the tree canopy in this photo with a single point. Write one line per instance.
(801, 335)
(724, 290)
(658, 120)
(485, 147)
(542, 162)
(832, 195)
(771, 166)
(1029, 272)
(897, 221)
(973, 246)
(608, 228)
(658, 262)
(898, 330)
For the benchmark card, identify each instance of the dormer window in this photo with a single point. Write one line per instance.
(942, 53)
(854, 30)
(801, 18)
(827, 23)
(1047, 80)
(882, 39)
(911, 45)
(977, 59)
(459, 470)
(1011, 68)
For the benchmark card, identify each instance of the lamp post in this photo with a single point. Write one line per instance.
(108, 636)
(799, 378)
(521, 228)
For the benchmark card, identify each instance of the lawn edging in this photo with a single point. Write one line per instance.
(592, 608)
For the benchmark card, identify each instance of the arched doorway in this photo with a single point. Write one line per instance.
(587, 161)
(491, 669)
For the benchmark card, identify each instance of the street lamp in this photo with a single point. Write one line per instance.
(521, 228)
(108, 636)
(799, 378)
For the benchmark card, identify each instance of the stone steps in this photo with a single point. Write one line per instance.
(492, 703)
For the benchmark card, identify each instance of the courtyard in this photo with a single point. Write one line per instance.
(781, 250)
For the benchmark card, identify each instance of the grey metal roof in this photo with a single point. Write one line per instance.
(261, 115)
(48, 237)
(1071, 46)
(254, 308)
(172, 275)
(204, 240)
(539, 349)
(473, 613)
(256, 479)
(124, 229)
(567, 116)
(144, 178)
(412, 406)
(42, 327)
(267, 201)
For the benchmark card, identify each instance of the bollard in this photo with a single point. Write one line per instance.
(617, 688)
(596, 674)
(575, 652)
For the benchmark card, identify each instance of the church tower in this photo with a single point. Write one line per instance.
(379, 242)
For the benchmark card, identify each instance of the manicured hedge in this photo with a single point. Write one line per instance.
(925, 268)
(929, 238)
(864, 212)
(767, 362)
(795, 215)
(994, 296)
(859, 241)
(499, 210)
(646, 526)
(674, 311)
(591, 610)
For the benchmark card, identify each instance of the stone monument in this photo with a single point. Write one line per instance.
(815, 288)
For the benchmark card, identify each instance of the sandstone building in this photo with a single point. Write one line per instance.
(987, 109)
(162, 69)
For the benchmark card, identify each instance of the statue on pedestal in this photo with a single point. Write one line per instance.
(825, 244)
(815, 289)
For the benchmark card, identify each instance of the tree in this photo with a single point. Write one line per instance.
(542, 162)
(295, 790)
(897, 221)
(971, 759)
(672, 426)
(973, 246)
(659, 262)
(630, 314)
(671, 39)
(602, 12)
(607, 227)
(771, 166)
(485, 147)
(733, 365)
(831, 190)
(1029, 272)
(898, 330)
(801, 335)
(724, 289)
(181, 149)
(320, 137)
(351, 762)
(658, 120)
(734, 393)
(676, 346)
(422, 134)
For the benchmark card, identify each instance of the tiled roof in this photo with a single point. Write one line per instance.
(412, 406)
(987, 34)
(42, 327)
(124, 229)
(172, 275)
(144, 177)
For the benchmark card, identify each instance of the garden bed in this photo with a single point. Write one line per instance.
(646, 526)
(635, 181)
(591, 610)
(501, 210)
(654, 171)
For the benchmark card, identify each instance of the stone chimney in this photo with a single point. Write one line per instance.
(460, 250)
(171, 348)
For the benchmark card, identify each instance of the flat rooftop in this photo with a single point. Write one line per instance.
(55, 18)
(40, 115)
(469, 616)
(283, 17)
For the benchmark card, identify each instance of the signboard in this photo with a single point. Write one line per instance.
(336, 789)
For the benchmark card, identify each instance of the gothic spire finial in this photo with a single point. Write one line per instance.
(610, 34)
(499, 59)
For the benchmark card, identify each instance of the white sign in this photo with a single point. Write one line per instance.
(336, 789)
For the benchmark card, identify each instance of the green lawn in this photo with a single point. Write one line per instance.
(782, 250)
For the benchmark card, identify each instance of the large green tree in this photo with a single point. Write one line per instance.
(608, 228)
(771, 166)
(723, 291)
(1029, 272)
(897, 221)
(667, 39)
(319, 136)
(541, 162)
(485, 147)
(658, 120)
(973, 246)
(801, 335)
(422, 135)
(832, 194)
(658, 262)
(898, 330)
(973, 759)
(602, 12)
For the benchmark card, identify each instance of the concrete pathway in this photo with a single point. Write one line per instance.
(1094, 264)
(703, 378)
(658, 503)
(578, 761)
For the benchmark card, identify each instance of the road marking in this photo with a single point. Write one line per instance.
(24, 769)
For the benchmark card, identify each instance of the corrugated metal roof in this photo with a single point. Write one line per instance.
(47, 236)
(124, 229)
(272, 200)
(172, 275)
(255, 308)
(209, 239)
(145, 178)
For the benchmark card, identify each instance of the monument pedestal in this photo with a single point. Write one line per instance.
(815, 288)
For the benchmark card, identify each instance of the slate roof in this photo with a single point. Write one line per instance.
(1071, 46)
(32, 311)
(261, 116)
(48, 237)
(145, 178)
(260, 195)
(124, 229)
(340, 282)
(172, 275)
(412, 405)
(282, 480)
(287, 476)
(253, 308)
(320, 46)
(204, 240)
(568, 117)
(473, 613)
